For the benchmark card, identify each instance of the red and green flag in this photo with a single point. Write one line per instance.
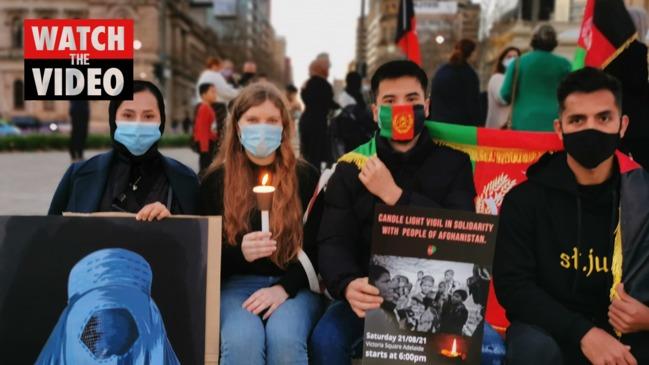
(406, 37)
(606, 31)
(397, 122)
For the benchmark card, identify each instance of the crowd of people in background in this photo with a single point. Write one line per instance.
(519, 95)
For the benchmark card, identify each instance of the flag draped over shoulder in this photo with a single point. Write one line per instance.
(500, 159)
(606, 30)
(406, 37)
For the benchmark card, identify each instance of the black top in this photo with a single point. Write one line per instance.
(430, 175)
(233, 262)
(85, 184)
(135, 181)
(552, 266)
(455, 95)
(635, 89)
(317, 95)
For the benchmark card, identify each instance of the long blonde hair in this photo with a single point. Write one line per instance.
(239, 177)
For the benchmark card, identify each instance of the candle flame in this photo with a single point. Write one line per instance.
(454, 347)
(264, 180)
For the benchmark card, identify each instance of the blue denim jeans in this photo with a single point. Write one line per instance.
(338, 337)
(530, 345)
(282, 339)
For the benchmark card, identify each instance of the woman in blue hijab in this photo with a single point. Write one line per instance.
(133, 176)
(110, 318)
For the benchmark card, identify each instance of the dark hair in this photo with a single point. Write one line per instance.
(204, 87)
(588, 80)
(499, 68)
(428, 278)
(353, 80)
(544, 38)
(375, 271)
(353, 85)
(138, 86)
(291, 88)
(462, 293)
(395, 70)
(462, 51)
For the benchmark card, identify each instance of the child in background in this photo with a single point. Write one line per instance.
(204, 137)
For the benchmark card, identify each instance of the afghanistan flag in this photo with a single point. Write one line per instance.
(407, 31)
(397, 122)
(606, 31)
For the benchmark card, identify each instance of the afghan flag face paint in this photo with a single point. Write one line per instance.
(401, 122)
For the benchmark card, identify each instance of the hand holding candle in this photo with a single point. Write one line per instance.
(264, 193)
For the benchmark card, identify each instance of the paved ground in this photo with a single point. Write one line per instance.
(28, 180)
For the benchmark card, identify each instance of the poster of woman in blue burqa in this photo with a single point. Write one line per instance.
(106, 290)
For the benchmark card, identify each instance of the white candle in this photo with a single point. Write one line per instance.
(265, 221)
(263, 189)
(264, 201)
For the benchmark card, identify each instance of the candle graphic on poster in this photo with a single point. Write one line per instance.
(264, 194)
(453, 353)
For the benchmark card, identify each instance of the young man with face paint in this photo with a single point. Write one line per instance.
(402, 166)
(571, 260)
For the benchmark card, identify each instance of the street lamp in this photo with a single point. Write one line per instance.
(439, 39)
(137, 45)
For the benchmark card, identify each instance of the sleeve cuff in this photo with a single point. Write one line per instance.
(342, 286)
(404, 199)
(293, 280)
(578, 330)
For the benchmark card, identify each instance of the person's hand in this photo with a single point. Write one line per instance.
(153, 211)
(600, 348)
(378, 180)
(626, 314)
(267, 299)
(256, 245)
(362, 296)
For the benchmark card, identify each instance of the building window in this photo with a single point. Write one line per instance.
(17, 33)
(19, 94)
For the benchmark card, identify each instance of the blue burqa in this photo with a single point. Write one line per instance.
(111, 318)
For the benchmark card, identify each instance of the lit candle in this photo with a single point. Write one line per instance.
(264, 193)
(453, 353)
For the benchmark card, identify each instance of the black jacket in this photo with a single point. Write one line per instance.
(635, 89)
(317, 95)
(430, 175)
(552, 266)
(82, 187)
(455, 95)
(233, 262)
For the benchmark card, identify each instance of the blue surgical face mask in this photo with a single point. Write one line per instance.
(261, 139)
(137, 137)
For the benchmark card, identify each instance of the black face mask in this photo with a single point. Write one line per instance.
(590, 147)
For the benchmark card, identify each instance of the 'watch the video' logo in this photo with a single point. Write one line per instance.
(78, 59)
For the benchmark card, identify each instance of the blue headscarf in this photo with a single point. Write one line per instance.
(111, 318)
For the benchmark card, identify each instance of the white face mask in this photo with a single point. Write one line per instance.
(508, 61)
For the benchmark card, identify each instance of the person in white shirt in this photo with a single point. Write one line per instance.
(498, 111)
(212, 75)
